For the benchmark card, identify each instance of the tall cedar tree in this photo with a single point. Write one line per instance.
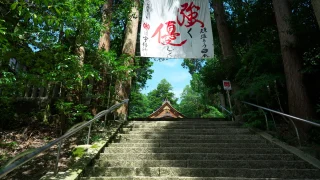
(104, 41)
(104, 45)
(128, 50)
(223, 30)
(228, 52)
(298, 100)
(316, 8)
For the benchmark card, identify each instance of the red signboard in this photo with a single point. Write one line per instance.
(226, 85)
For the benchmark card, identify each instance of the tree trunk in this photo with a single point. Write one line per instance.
(298, 100)
(104, 44)
(129, 48)
(316, 8)
(228, 52)
(223, 30)
(80, 51)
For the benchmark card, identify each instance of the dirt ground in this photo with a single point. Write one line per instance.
(14, 142)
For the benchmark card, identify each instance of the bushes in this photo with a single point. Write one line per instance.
(213, 113)
(6, 111)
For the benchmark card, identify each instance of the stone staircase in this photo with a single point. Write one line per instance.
(195, 150)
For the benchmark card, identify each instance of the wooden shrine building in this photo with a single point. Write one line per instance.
(166, 111)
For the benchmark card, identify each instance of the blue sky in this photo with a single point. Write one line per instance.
(173, 72)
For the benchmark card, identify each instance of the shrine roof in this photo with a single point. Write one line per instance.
(158, 112)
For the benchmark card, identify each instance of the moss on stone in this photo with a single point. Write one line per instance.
(95, 146)
(78, 152)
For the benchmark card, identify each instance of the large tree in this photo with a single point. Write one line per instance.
(104, 41)
(223, 30)
(316, 8)
(123, 84)
(191, 105)
(229, 61)
(101, 86)
(298, 100)
(161, 93)
(139, 105)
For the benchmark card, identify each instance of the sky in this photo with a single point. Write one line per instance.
(173, 72)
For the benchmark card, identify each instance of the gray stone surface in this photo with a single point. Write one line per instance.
(179, 178)
(196, 156)
(188, 136)
(256, 164)
(188, 131)
(196, 150)
(195, 141)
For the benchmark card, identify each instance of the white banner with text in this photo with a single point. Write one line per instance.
(176, 29)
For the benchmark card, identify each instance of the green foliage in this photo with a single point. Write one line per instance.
(191, 104)
(194, 65)
(163, 91)
(11, 145)
(44, 38)
(95, 146)
(213, 113)
(72, 111)
(314, 135)
(95, 138)
(260, 69)
(254, 119)
(139, 105)
(7, 111)
(143, 71)
(9, 89)
(212, 74)
(3, 41)
(78, 152)
(7, 82)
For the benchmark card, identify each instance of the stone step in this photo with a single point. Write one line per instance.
(177, 124)
(195, 141)
(182, 122)
(196, 150)
(196, 156)
(186, 131)
(181, 178)
(182, 126)
(193, 150)
(205, 145)
(188, 136)
(209, 172)
(257, 164)
(183, 129)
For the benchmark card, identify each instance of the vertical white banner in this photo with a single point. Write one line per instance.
(176, 29)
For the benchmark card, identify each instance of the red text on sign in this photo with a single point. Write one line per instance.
(187, 12)
(170, 36)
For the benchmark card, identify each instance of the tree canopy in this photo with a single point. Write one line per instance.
(161, 93)
(55, 50)
(50, 50)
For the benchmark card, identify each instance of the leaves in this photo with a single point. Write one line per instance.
(14, 5)
(191, 104)
(162, 92)
(213, 113)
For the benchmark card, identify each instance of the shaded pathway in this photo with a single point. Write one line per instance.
(197, 149)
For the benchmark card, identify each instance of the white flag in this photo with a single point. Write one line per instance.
(176, 29)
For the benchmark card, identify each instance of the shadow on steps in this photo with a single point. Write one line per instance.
(196, 149)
